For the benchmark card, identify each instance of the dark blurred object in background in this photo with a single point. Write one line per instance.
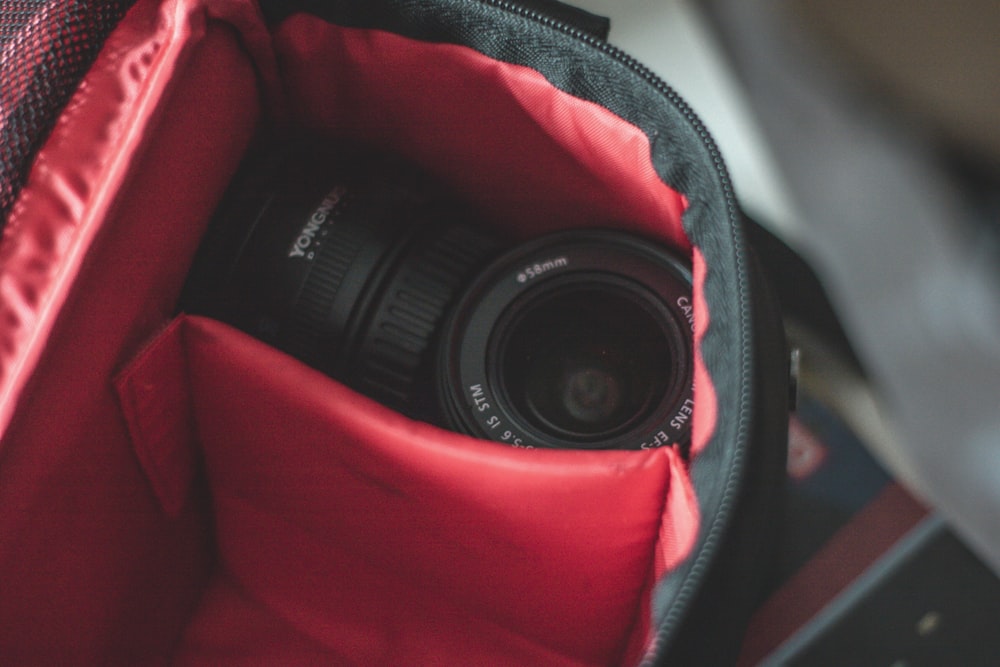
(938, 61)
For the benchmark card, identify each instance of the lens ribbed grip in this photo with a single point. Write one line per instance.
(309, 334)
(393, 355)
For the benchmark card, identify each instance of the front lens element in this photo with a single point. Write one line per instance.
(585, 361)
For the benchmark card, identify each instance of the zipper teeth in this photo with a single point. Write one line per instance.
(732, 487)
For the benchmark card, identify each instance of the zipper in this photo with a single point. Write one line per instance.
(713, 538)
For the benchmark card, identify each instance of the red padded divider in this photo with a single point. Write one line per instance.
(389, 541)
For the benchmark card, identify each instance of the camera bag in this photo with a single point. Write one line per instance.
(173, 491)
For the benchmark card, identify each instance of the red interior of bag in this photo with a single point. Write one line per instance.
(221, 502)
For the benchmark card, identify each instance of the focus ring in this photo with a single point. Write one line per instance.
(393, 354)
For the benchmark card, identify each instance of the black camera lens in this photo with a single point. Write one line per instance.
(577, 340)
(344, 258)
(360, 266)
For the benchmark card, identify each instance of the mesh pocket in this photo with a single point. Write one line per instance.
(46, 46)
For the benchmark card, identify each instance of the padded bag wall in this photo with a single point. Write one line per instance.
(172, 490)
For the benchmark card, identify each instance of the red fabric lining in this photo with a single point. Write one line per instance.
(93, 258)
(77, 177)
(92, 261)
(156, 409)
(545, 160)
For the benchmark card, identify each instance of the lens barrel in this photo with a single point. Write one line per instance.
(344, 258)
(360, 266)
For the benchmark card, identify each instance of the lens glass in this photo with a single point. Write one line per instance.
(585, 361)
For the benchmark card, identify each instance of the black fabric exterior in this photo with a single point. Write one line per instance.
(800, 292)
(52, 44)
(597, 26)
(735, 581)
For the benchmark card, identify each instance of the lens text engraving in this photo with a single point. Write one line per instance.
(540, 268)
(492, 420)
(302, 246)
